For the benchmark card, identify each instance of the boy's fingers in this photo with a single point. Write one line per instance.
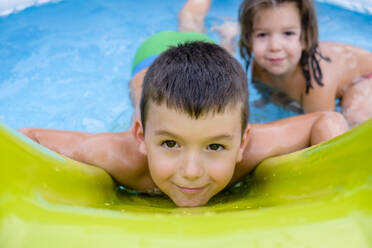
(23, 130)
(27, 132)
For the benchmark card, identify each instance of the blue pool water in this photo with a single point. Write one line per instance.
(66, 64)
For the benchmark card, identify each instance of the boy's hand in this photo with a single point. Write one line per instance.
(29, 133)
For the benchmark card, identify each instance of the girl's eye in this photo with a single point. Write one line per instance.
(289, 33)
(261, 35)
(169, 144)
(215, 147)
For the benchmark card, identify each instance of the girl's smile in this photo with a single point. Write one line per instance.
(276, 38)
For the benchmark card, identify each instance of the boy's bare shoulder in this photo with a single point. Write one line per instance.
(118, 154)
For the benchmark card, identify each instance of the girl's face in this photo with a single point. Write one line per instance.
(276, 40)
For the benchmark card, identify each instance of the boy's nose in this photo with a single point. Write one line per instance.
(192, 168)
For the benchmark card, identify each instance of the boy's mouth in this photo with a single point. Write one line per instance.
(192, 190)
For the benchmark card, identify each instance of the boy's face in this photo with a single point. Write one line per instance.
(191, 160)
(276, 39)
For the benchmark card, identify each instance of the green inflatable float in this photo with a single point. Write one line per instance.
(318, 197)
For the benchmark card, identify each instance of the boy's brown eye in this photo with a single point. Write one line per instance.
(216, 147)
(169, 143)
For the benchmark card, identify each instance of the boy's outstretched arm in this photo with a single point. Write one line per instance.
(289, 135)
(117, 153)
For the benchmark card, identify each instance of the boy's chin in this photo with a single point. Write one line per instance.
(184, 203)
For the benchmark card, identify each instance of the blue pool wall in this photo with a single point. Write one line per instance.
(66, 64)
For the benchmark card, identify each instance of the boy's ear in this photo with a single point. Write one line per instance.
(244, 143)
(140, 136)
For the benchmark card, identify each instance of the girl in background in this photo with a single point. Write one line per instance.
(280, 39)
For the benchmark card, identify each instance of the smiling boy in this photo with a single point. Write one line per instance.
(192, 139)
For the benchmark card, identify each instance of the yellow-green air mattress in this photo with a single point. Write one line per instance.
(318, 197)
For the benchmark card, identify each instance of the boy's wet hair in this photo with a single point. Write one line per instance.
(196, 78)
(309, 34)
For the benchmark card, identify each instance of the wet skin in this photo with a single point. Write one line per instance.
(190, 159)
